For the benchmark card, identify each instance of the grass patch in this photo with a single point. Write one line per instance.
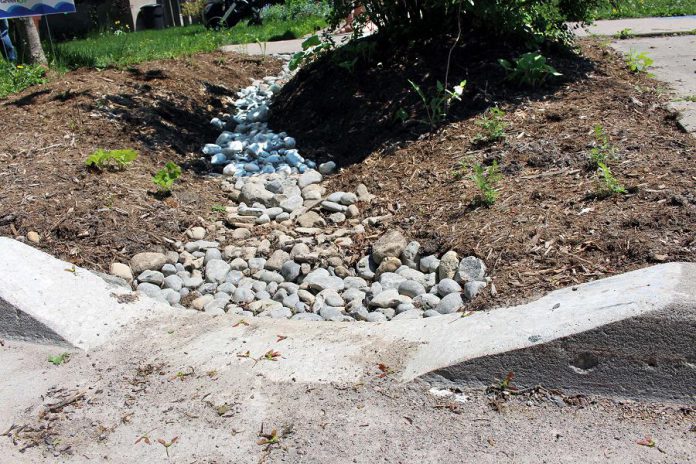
(14, 79)
(643, 8)
(129, 48)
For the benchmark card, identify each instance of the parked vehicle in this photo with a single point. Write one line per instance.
(228, 13)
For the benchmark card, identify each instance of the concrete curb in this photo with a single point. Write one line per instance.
(45, 300)
(640, 27)
(631, 335)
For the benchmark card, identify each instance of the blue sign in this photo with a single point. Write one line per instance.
(21, 8)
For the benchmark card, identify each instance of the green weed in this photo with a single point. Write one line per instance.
(603, 151)
(643, 8)
(59, 359)
(486, 180)
(493, 126)
(111, 159)
(14, 79)
(638, 62)
(166, 177)
(610, 186)
(437, 105)
(623, 34)
(529, 70)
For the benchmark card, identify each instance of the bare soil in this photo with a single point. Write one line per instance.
(161, 109)
(551, 226)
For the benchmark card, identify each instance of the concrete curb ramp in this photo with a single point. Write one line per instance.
(45, 300)
(631, 335)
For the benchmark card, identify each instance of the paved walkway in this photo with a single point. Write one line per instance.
(675, 64)
(642, 26)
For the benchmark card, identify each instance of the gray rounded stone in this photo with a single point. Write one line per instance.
(151, 277)
(410, 314)
(320, 279)
(147, 261)
(311, 317)
(290, 271)
(431, 313)
(448, 265)
(426, 301)
(429, 264)
(447, 286)
(243, 295)
(411, 255)
(471, 289)
(450, 304)
(149, 289)
(174, 282)
(376, 317)
(470, 269)
(411, 288)
(216, 270)
(391, 244)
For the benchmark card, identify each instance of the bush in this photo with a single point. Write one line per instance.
(295, 9)
(536, 20)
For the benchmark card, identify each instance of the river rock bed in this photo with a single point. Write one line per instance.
(286, 246)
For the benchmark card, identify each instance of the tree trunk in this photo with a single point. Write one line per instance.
(31, 41)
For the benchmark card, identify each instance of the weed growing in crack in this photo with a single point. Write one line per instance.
(638, 62)
(59, 359)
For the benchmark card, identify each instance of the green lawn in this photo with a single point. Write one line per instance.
(124, 49)
(642, 8)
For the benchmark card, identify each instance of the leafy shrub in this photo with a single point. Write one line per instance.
(486, 180)
(312, 48)
(603, 150)
(193, 8)
(532, 20)
(14, 79)
(294, 9)
(623, 34)
(638, 62)
(113, 159)
(437, 105)
(166, 177)
(493, 126)
(530, 70)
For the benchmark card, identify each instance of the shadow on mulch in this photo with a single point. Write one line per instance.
(344, 110)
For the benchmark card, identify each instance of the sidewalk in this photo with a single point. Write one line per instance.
(641, 26)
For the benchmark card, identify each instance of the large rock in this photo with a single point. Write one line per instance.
(470, 269)
(147, 261)
(277, 259)
(216, 270)
(253, 192)
(320, 279)
(450, 304)
(448, 265)
(311, 219)
(387, 299)
(308, 178)
(391, 244)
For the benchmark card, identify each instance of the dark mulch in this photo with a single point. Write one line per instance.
(549, 228)
(161, 109)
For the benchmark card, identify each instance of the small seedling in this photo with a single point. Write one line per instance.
(647, 441)
(166, 177)
(145, 438)
(603, 150)
(268, 439)
(401, 115)
(271, 355)
(493, 126)
(486, 180)
(111, 159)
(506, 383)
(59, 359)
(623, 34)
(529, 70)
(611, 185)
(638, 62)
(219, 209)
(167, 444)
(437, 106)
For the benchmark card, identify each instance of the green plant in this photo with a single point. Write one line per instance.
(193, 8)
(166, 177)
(530, 70)
(641, 8)
(437, 105)
(14, 79)
(610, 185)
(59, 359)
(626, 33)
(113, 159)
(312, 48)
(638, 62)
(602, 151)
(493, 126)
(486, 180)
(219, 209)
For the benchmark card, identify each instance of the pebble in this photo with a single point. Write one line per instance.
(320, 279)
(311, 317)
(447, 286)
(387, 299)
(429, 264)
(151, 277)
(216, 270)
(33, 237)
(147, 261)
(448, 265)
(410, 314)
(196, 233)
(470, 269)
(411, 255)
(121, 270)
(471, 289)
(411, 288)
